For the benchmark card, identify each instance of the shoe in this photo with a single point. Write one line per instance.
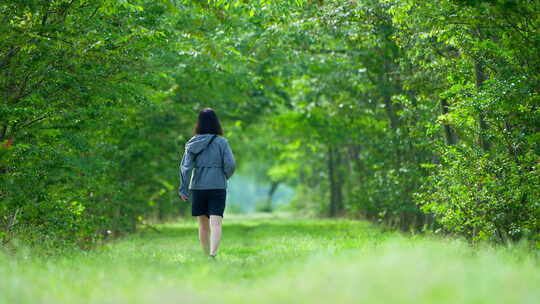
(212, 256)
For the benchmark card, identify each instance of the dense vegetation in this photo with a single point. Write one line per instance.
(419, 114)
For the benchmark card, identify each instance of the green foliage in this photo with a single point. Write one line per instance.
(485, 198)
(417, 114)
(80, 125)
(382, 92)
(485, 184)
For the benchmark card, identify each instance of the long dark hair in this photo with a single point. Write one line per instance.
(208, 122)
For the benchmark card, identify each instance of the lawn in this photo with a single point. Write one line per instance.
(276, 259)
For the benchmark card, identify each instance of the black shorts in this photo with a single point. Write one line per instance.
(208, 202)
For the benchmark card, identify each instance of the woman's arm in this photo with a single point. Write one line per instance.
(229, 163)
(186, 168)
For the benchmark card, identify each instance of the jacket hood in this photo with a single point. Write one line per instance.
(198, 142)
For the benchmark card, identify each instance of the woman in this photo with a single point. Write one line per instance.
(207, 164)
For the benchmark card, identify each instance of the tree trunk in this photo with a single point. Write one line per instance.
(449, 134)
(354, 154)
(271, 191)
(340, 174)
(336, 181)
(3, 131)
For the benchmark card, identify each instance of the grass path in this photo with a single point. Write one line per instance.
(276, 260)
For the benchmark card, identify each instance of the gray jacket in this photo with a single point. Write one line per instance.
(214, 166)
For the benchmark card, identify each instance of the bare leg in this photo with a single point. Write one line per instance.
(204, 233)
(215, 235)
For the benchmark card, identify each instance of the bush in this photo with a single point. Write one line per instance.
(485, 197)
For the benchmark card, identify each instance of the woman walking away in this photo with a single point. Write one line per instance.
(207, 164)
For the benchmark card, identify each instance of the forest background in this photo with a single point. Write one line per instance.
(420, 115)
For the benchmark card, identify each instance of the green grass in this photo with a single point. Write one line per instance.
(276, 260)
